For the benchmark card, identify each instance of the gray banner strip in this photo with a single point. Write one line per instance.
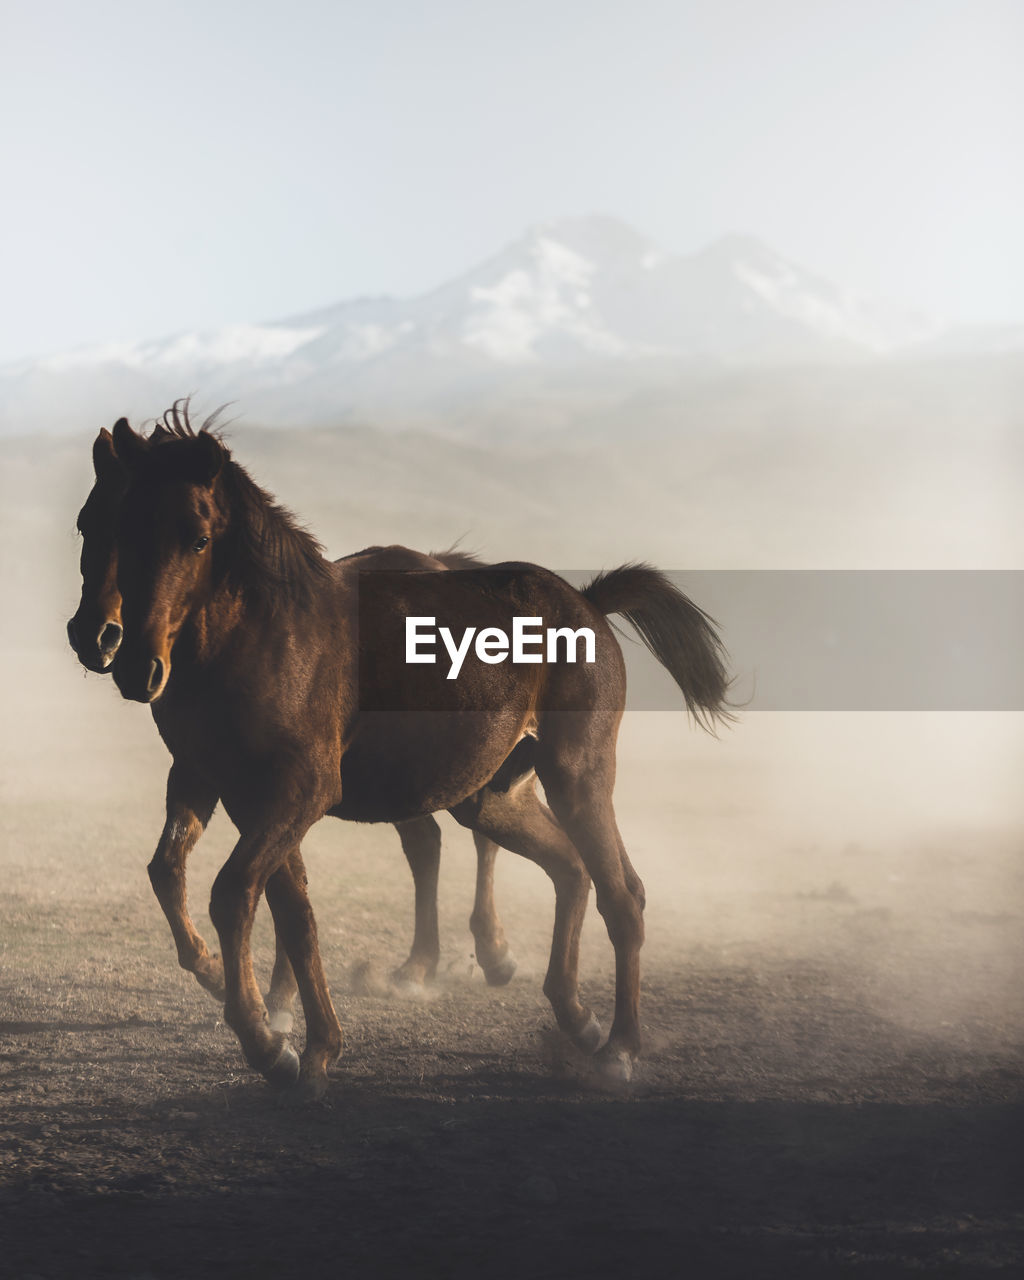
(853, 641)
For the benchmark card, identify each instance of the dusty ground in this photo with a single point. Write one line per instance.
(833, 1000)
(832, 1004)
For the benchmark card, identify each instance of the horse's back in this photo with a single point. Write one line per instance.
(429, 731)
(394, 558)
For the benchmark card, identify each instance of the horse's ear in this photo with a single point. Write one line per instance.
(129, 446)
(213, 455)
(104, 456)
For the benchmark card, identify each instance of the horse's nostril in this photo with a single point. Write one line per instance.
(109, 639)
(72, 638)
(156, 676)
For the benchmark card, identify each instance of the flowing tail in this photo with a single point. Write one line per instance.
(679, 634)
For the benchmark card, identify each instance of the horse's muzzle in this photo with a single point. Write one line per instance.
(109, 642)
(98, 655)
(141, 681)
(157, 678)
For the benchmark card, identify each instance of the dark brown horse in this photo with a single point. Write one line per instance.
(95, 634)
(283, 680)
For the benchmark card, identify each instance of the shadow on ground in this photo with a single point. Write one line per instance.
(513, 1186)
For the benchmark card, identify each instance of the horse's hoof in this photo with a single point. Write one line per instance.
(213, 987)
(500, 973)
(589, 1035)
(408, 980)
(280, 1020)
(285, 1069)
(614, 1065)
(209, 973)
(304, 1090)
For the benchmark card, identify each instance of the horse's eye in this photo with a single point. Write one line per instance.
(200, 544)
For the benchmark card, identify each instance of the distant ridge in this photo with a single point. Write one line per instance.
(571, 297)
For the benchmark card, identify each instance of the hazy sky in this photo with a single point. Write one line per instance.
(178, 165)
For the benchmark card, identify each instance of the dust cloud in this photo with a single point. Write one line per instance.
(882, 850)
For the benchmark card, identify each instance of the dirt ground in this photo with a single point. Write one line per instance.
(832, 1005)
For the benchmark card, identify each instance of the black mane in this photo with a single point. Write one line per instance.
(176, 424)
(265, 552)
(452, 559)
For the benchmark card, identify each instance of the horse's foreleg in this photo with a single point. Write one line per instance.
(421, 844)
(296, 927)
(283, 987)
(518, 821)
(190, 805)
(492, 949)
(236, 892)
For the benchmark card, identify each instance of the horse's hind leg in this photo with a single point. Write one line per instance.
(421, 844)
(581, 796)
(190, 804)
(492, 949)
(518, 821)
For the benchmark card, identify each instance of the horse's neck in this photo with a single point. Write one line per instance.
(212, 628)
(235, 620)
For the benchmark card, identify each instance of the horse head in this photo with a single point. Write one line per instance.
(171, 517)
(95, 630)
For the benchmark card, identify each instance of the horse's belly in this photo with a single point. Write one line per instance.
(402, 765)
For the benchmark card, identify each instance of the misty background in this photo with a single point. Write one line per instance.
(174, 169)
(730, 287)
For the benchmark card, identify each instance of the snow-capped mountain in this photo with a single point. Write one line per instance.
(594, 288)
(575, 294)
